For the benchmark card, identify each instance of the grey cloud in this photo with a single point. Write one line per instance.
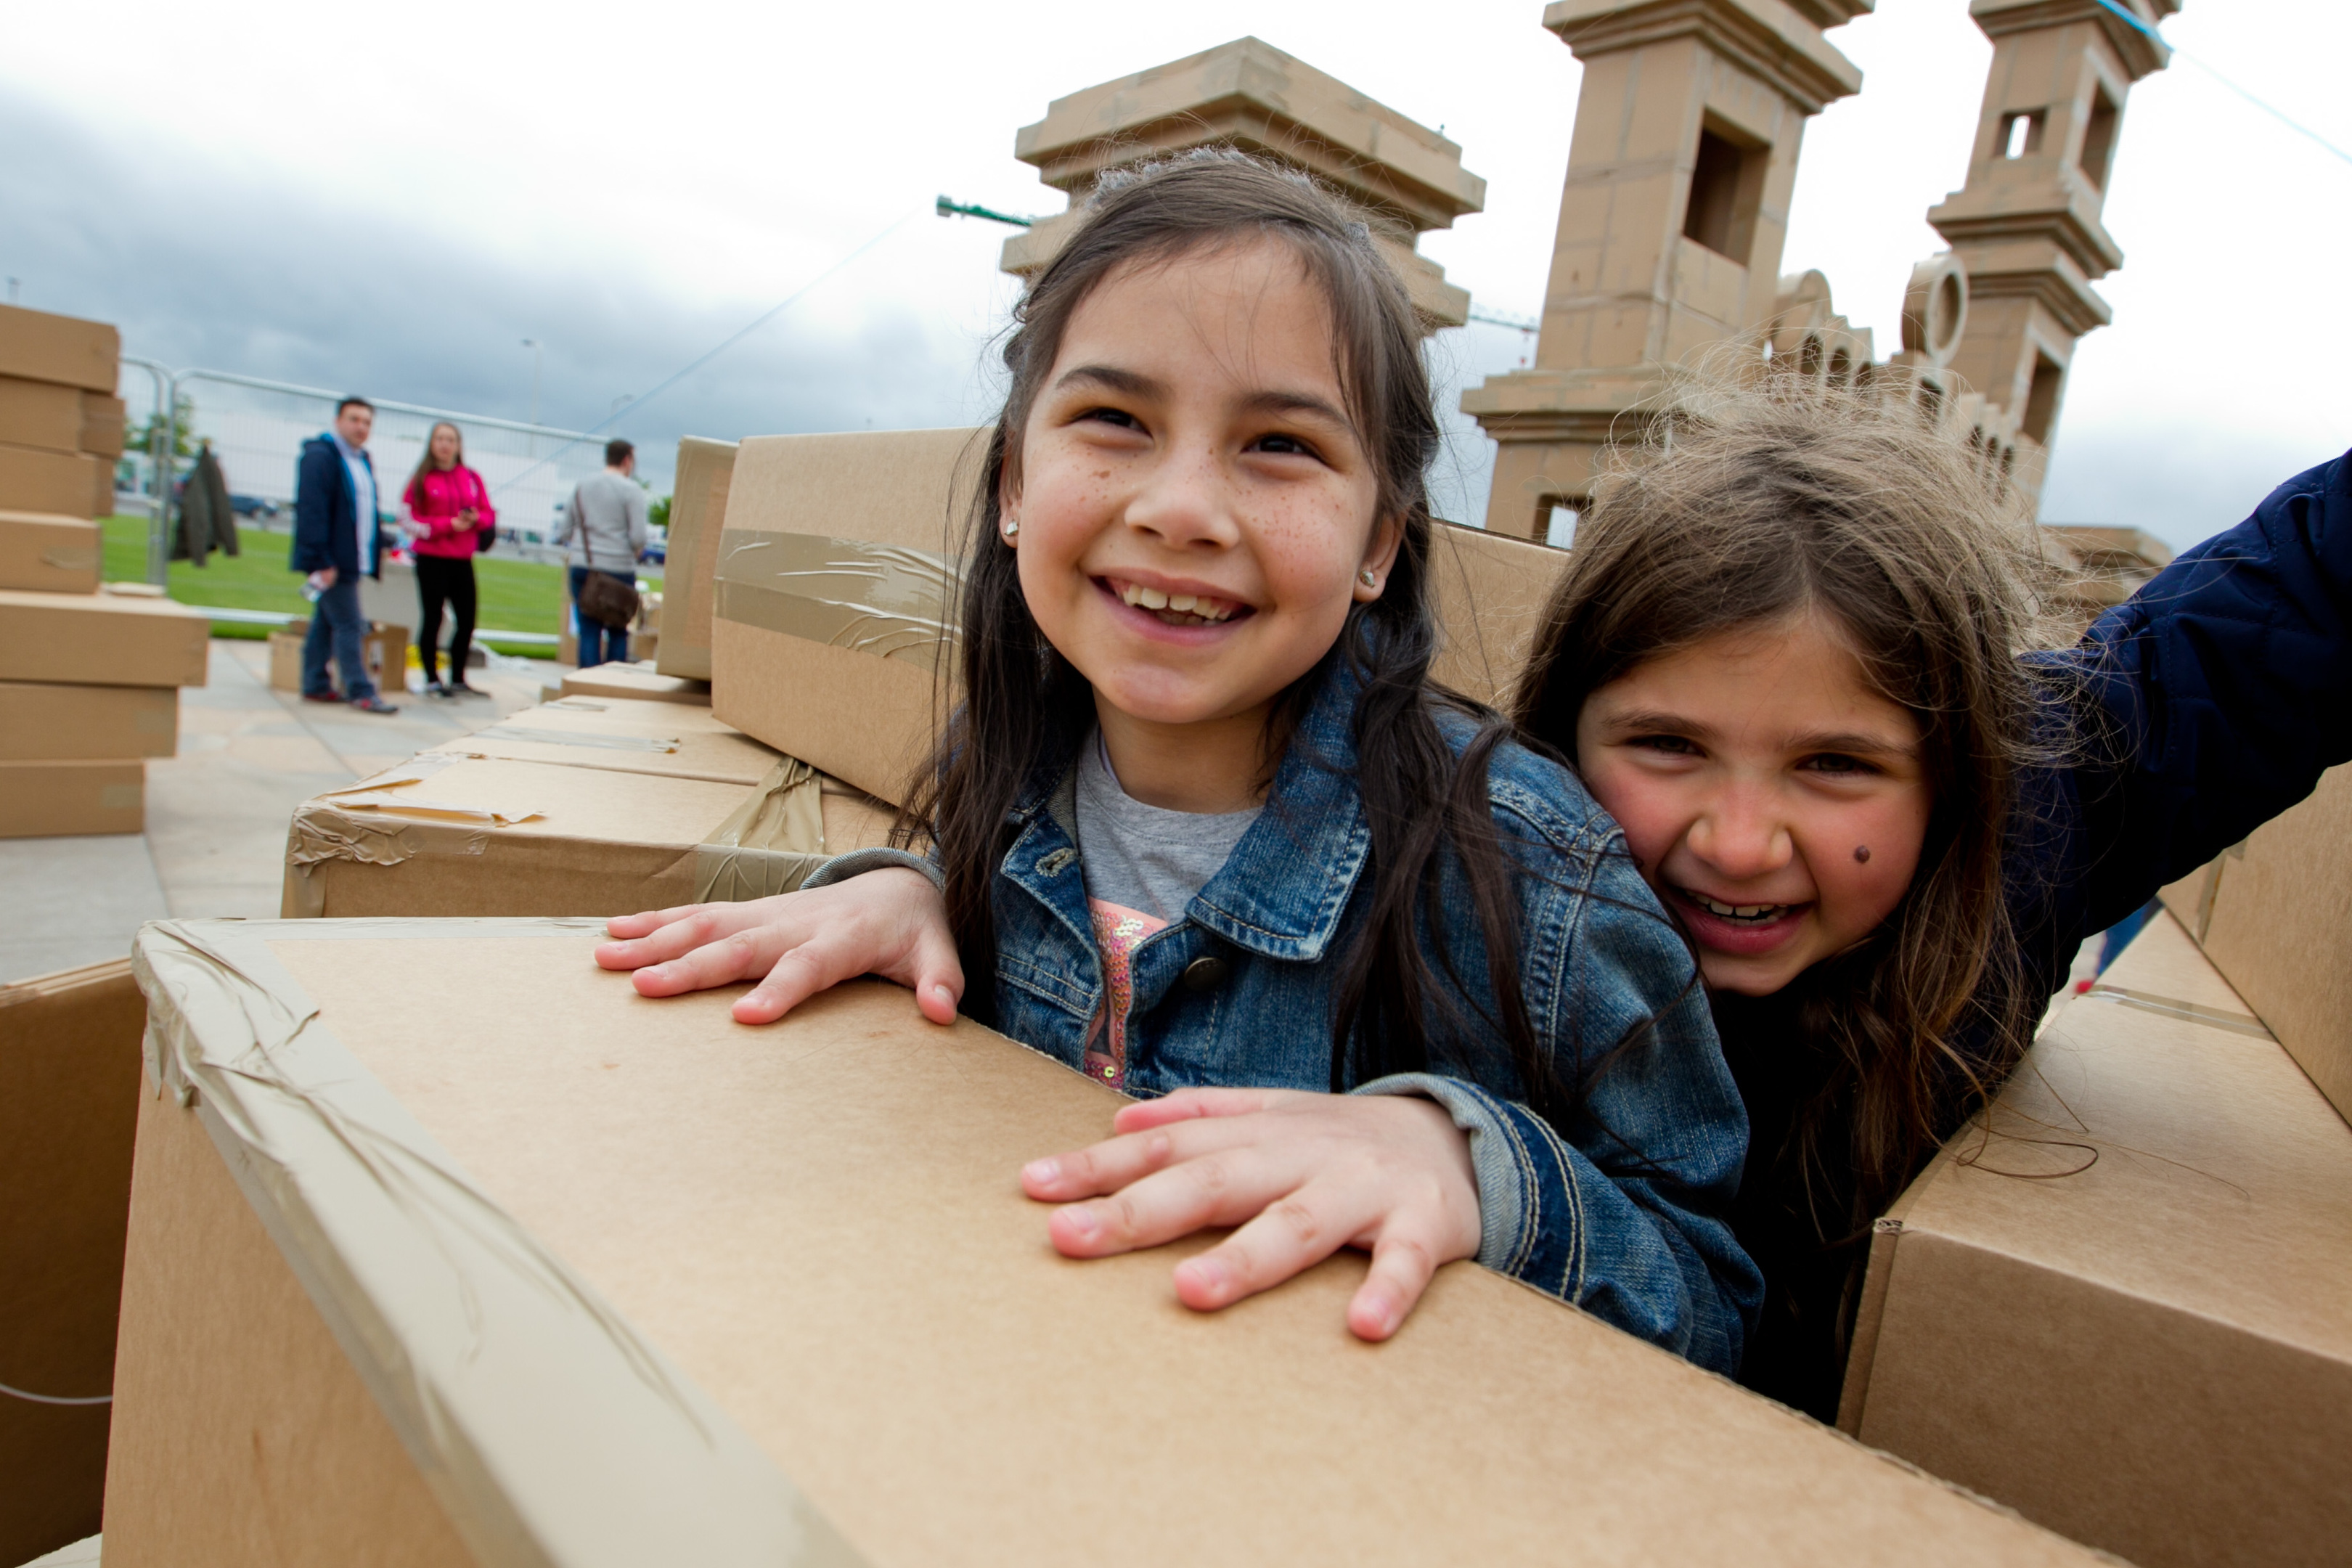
(201, 265)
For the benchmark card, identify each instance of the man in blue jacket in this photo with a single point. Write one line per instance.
(335, 540)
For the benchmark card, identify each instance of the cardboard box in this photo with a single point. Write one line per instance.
(836, 575)
(1490, 594)
(32, 479)
(101, 640)
(103, 421)
(37, 346)
(54, 799)
(69, 1058)
(698, 510)
(567, 646)
(2275, 915)
(639, 681)
(618, 734)
(48, 553)
(42, 723)
(2123, 1313)
(42, 414)
(523, 1265)
(101, 486)
(451, 833)
(383, 649)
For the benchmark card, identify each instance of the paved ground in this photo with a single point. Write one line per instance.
(216, 813)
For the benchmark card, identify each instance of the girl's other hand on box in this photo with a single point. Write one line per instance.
(891, 922)
(1302, 1175)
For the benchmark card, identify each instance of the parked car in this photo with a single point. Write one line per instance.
(253, 506)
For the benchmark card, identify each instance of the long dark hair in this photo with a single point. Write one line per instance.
(413, 492)
(1757, 504)
(1023, 702)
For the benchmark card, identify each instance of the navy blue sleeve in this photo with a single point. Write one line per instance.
(314, 488)
(2214, 697)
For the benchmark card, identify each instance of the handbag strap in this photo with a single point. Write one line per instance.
(579, 520)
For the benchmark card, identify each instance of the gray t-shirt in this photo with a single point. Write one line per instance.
(1143, 858)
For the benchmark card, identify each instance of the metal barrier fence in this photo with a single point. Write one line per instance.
(256, 428)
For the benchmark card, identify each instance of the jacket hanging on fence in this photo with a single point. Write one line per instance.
(208, 522)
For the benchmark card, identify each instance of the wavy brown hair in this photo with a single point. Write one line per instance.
(1745, 507)
(1024, 704)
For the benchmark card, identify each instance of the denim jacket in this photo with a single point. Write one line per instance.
(1623, 1213)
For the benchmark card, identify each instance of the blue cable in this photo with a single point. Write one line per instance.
(637, 403)
(2277, 114)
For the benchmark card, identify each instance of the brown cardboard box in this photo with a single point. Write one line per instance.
(698, 510)
(51, 799)
(2124, 1313)
(448, 833)
(32, 479)
(42, 414)
(43, 722)
(618, 734)
(567, 646)
(640, 682)
(101, 640)
(101, 486)
(2274, 914)
(383, 649)
(48, 553)
(847, 669)
(37, 346)
(103, 420)
(523, 1261)
(1490, 592)
(69, 1058)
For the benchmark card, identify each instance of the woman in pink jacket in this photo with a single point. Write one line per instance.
(449, 516)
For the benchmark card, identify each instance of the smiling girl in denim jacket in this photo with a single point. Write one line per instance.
(1204, 831)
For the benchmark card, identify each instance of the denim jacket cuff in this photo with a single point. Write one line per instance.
(1509, 1186)
(857, 862)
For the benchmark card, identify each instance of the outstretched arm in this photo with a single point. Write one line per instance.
(2220, 692)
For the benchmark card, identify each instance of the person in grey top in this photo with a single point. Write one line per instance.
(607, 529)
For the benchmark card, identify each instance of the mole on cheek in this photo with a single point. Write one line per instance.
(1862, 854)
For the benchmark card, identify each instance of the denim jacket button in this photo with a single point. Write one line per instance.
(1204, 974)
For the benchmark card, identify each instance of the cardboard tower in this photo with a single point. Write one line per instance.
(1407, 178)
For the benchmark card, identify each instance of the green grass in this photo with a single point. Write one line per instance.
(513, 596)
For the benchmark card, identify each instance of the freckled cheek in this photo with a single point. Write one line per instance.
(1857, 895)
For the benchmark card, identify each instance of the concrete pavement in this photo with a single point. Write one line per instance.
(216, 813)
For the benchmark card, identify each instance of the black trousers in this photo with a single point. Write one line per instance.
(442, 579)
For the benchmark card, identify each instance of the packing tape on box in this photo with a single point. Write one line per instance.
(882, 599)
(573, 738)
(553, 1434)
(769, 844)
(367, 824)
(70, 560)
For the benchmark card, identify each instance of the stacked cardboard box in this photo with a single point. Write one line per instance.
(698, 512)
(602, 806)
(509, 1264)
(69, 1059)
(88, 679)
(383, 649)
(2118, 1304)
(60, 423)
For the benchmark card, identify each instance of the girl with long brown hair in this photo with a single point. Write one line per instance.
(1205, 830)
(1801, 651)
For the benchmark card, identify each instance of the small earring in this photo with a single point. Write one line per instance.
(1011, 528)
(1367, 579)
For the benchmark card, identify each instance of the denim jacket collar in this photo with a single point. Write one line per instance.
(1286, 885)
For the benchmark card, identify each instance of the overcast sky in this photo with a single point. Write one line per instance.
(393, 199)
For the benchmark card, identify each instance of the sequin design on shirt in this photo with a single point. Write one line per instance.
(1119, 932)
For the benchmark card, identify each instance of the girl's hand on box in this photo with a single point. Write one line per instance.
(891, 922)
(1301, 1175)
